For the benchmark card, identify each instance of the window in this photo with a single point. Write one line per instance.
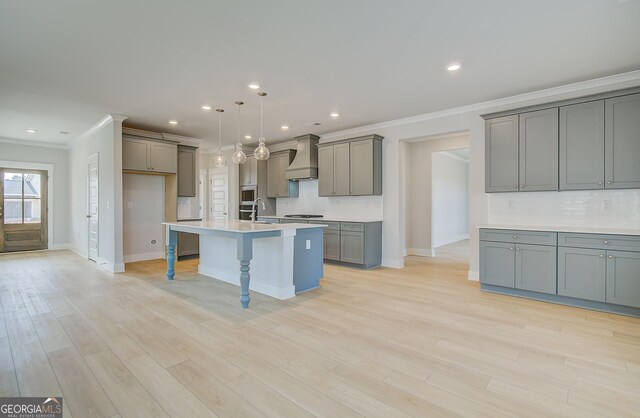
(22, 198)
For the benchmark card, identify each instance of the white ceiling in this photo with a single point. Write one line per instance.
(65, 64)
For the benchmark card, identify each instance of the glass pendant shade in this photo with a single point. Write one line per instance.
(262, 152)
(219, 160)
(239, 157)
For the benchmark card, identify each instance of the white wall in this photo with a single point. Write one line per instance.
(466, 118)
(419, 199)
(450, 199)
(59, 202)
(143, 214)
(339, 207)
(106, 140)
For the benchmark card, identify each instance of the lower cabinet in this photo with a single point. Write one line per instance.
(352, 247)
(331, 245)
(497, 264)
(623, 278)
(582, 273)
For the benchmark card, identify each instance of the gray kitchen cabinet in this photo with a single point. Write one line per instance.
(277, 183)
(352, 247)
(538, 154)
(582, 273)
(333, 170)
(249, 172)
(622, 142)
(501, 154)
(497, 263)
(152, 156)
(623, 278)
(331, 245)
(365, 156)
(293, 221)
(536, 268)
(582, 143)
(187, 184)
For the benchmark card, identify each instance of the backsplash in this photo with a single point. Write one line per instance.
(592, 208)
(308, 202)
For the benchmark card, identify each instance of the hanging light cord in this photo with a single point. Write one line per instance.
(261, 114)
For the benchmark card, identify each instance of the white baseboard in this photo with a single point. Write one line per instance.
(393, 263)
(132, 258)
(55, 247)
(281, 293)
(81, 253)
(110, 266)
(422, 252)
(473, 276)
(451, 240)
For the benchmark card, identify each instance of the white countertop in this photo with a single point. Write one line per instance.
(241, 226)
(576, 229)
(328, 219)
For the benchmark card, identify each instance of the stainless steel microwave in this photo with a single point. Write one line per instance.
(248, 194)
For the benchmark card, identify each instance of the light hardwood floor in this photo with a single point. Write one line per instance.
(422, 341)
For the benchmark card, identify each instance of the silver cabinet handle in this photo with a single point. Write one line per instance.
(515, 236)
(515, 186)
(610, 256)
(511, 248)
(605, 242)
(600, 182)
(522, 186)
(609, 182)
(517, 248)
(601, 255)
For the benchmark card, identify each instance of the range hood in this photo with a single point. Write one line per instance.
(305, 164)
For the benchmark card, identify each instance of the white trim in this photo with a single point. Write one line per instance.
(474, 276)
(31, 143)
(56, 247)
(80, 252)
(449, 154)
(49, 168)
(281, 293)
(132, 258)
(109, 266)
(393, 263)
(632, 78)
(451, 240)
(95, 128)
(421, 252)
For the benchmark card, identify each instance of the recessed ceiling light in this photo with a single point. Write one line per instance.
(285, 127)
(63, 133)
(254, 86)
(454, 67)
(32, 131)
(205, 107)
(247, 137)
(334, 114)
(173, 122)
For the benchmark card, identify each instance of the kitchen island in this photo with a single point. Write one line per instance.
(284, 259)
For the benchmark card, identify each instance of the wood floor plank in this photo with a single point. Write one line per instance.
(115, 338)
(52, 335)
(85, 340)
(127, 394)
(158, 349)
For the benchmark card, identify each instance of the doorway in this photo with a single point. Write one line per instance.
(219, 192)
(92, 207)
(23, 210)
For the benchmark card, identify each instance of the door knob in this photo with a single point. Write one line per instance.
(88, 216)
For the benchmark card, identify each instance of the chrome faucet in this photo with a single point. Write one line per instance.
(253, 207)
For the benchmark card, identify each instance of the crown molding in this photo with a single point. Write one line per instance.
(596, 85)
(31, 143)
(95, 128)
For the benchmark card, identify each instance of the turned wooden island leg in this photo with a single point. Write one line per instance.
(245, 253)
(172, 239)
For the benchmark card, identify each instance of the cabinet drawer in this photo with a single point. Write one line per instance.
(331, 225)
(599, 241)
(352, 226)
(516, 236)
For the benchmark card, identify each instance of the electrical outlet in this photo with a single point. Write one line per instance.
(606, 205)
(510, 204)
(308, 244)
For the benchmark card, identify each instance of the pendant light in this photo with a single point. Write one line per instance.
(239, 157)
(219, 160)
(262, 152)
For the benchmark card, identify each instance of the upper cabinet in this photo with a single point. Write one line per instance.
(622, 142)
(277, 183)
(351, 167)
(249, 172)
(147, 155)
(579, 144)
(186, 171)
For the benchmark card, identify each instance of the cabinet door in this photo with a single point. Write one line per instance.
(501, 154)
(623, 278)
(332, 245)
(581, 273)
(497, 263)
(361, 170)
(135, 154)
(244, 173)
(582, 146)
(273, 167)
(283, 182)
(539, 150)
(186, 172)
(341, 169)
(536, 268)
(352, 247)
(253, 171)
(164, 157)
(622, 142)
(326, 172)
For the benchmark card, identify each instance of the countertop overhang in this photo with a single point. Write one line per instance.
(241, 227)
(574, 229)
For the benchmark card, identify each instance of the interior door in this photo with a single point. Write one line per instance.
(23, 210)
(92, 207)
(219, 207)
